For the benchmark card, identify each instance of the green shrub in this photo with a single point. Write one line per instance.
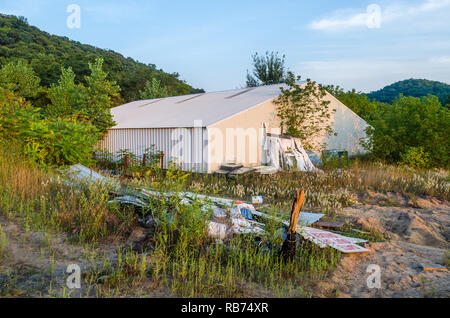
(408, 125)
(59, 142)
(48, 141)
(416, 157)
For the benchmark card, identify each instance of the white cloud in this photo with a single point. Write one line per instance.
(441, 60)
(392, 12)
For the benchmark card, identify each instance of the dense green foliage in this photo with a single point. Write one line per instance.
(447, 101)
(356, 101)
(48, 141)
(414, 131)
(267, 70)
(48, 53)
(19, 78)
(414, 88)
(412, 128)
(92, 101)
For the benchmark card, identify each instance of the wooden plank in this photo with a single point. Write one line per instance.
(329, 224)
(433, 267)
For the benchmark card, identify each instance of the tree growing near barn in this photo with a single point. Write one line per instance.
(47, 141)
(267, 70)
(66, 98)
(303, 111)
(100, 96)
(154, 89)
(92, 101)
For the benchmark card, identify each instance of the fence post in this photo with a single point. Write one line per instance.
(162, 160)
(125, 165)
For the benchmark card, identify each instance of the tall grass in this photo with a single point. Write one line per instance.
(184, 262)
(40, 200)
(331, 190)
(4, 243)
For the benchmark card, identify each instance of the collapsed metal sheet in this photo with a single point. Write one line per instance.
(341, 243)
(80, 173)
(242, 223)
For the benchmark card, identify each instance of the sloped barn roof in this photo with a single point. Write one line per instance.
(184, 111)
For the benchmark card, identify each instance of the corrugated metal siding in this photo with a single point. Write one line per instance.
(186, 147)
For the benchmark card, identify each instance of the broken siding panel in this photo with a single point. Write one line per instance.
(184, 146)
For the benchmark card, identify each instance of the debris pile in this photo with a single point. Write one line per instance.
(230, 217)
(279, 152)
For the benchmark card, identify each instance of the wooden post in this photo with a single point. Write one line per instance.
(162, 160)
(144, 160)
(289, 245)
(125, 165)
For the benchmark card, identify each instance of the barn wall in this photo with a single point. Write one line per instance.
(243, 124)
(184, 146)
(350, 129)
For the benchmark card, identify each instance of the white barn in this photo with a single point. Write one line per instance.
(202, 131)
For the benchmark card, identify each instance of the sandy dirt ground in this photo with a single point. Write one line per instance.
(418, 232)
(35, 263)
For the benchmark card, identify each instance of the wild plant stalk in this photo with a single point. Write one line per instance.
(41, 200)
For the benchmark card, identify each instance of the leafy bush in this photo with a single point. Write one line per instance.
(48, 141)
(411, 123)
(416, 157)
(20, 79)
(60, 141)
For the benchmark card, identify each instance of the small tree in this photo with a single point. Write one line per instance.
(92, 101)
(67, 97)
(267, 70)
(153, 90)
(303, 111)
(99, 98)
(20, 79)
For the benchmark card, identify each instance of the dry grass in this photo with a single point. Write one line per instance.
(328, 191)
(41, 201)
(180, 259)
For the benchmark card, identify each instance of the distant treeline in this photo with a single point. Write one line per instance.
(47, 53)
(414, 88)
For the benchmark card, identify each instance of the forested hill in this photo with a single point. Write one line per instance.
(47, 53)
(412, 87)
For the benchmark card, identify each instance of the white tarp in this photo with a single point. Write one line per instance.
(280, 152)
(80, 173)
(83, 173)
(272, 149)
(302, 158)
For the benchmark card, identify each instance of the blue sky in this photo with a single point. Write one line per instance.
(355, 44)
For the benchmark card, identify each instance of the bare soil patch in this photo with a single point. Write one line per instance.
(417, 234)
